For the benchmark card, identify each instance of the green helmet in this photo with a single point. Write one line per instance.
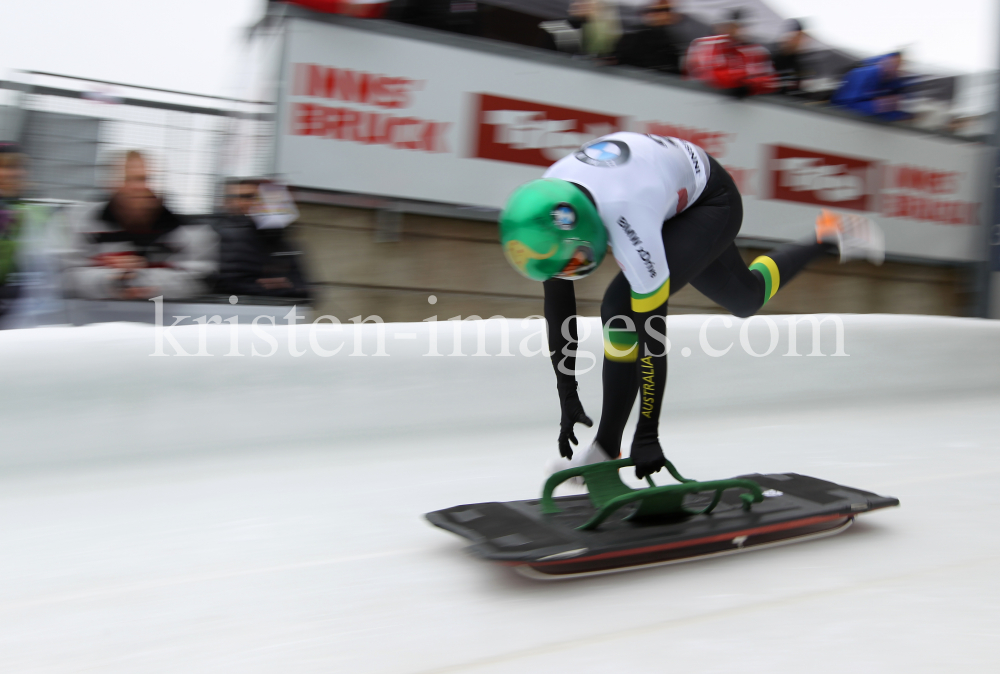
(549, 228)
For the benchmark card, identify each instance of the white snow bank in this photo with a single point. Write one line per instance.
(96, 392)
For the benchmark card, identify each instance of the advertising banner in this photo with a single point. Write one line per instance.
(371, 113)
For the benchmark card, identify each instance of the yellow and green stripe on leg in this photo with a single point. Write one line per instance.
(769, 270)
(620, 346)
(643, 303)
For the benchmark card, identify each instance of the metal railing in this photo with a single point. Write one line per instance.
(74, 129)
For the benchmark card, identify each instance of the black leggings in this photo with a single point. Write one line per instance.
(700, 249)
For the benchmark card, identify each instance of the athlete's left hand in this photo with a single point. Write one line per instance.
(647, 456)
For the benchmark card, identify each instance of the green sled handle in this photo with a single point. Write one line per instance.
(608, 493)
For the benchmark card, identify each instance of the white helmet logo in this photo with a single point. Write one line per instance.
(564, 216)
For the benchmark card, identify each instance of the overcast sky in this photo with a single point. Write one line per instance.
(956, 34)
(194, 45)
(188, 45)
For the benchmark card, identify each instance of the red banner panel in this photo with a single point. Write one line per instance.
(810, 177)
(524, 132)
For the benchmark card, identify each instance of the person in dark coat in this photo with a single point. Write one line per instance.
(657, 46)
(449, 15)
(255, 258)
(787, 59)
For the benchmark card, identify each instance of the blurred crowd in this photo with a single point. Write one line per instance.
(723, 56)
(132, 246)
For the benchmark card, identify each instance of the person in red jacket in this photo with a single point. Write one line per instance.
(729, 63)
(364, 9)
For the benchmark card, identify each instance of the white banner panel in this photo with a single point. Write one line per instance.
(367, 112)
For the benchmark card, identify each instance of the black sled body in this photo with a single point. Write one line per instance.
(793, 508)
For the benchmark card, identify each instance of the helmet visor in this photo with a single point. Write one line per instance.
(580, 264)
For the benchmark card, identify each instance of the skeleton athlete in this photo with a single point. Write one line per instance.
(671, 214)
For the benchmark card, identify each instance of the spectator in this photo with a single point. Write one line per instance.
(134, 248)
(256, 256)
(658, 45)
(787, 59)
(12, 225)
(29, 280)
(874, 89)
(599, 25)
(451, 15)
(728, 62)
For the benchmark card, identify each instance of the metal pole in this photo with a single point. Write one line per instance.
(987, 271)
(990, 294)
(990, 275)
(989, 306)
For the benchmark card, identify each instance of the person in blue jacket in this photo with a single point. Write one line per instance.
(874, 89)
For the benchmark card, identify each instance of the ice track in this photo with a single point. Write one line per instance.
(250, 514)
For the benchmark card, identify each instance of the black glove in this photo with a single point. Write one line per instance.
(572, 414)
(647, 455)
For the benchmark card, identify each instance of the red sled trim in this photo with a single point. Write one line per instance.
(361, 10)
(367, 10)
(795, 524)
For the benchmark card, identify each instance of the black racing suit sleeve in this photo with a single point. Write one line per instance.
(560, 310)
(652, 369)
(560, 306)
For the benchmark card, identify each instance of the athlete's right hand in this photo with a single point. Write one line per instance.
(572, 414)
